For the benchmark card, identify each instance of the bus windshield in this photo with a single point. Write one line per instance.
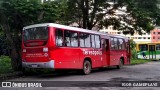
(36, 33)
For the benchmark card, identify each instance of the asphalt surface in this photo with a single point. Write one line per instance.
(143, 72)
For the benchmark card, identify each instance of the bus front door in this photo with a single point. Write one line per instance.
(105, 52)
(152, 52)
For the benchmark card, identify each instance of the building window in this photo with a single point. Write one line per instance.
(144, 37)
(154, 33)
(139, 37)
(149, 38)
(158, 32)
(153, 37)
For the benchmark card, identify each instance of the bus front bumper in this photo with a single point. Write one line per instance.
(49, 64)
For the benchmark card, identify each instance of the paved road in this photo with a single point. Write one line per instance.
(143, 72)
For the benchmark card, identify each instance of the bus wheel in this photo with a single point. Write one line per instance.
(86, 67)
(120, 64)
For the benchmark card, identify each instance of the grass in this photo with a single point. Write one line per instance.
(139, 61)
(5, 65)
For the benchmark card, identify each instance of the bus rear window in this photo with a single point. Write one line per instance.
(37, 33)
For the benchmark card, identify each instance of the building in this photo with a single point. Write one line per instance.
(155, 35)
(146, 37)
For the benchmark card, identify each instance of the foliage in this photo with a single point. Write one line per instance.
(4, 50)
(141, 15)
(102, 13)
(139, 61)
(5, 65)
(15, 14)
(63, 12)
(132, 44)
(89, 13)
(133, 49)
(134, 54)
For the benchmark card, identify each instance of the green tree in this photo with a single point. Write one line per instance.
(89, 13)
(139, 15)
(15, 14)
(133, 49)
(12, 23)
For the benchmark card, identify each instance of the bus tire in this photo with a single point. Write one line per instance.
(86, 67)
(120, 64)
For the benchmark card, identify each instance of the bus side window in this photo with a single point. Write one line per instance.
(59, 37)
(74, 39)
(67, 38)
(121, 43)
(93, 41)
(97, 41)
(105, 44)
(112, 43)
(157, 46)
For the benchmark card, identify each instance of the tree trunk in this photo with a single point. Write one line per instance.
(15, 54)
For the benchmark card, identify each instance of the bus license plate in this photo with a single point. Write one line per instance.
(34, 66)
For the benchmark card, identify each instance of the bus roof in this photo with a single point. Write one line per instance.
(71, 28)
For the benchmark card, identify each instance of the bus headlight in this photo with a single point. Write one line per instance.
(45, 49)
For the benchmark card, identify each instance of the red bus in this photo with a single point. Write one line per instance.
(58, 46)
